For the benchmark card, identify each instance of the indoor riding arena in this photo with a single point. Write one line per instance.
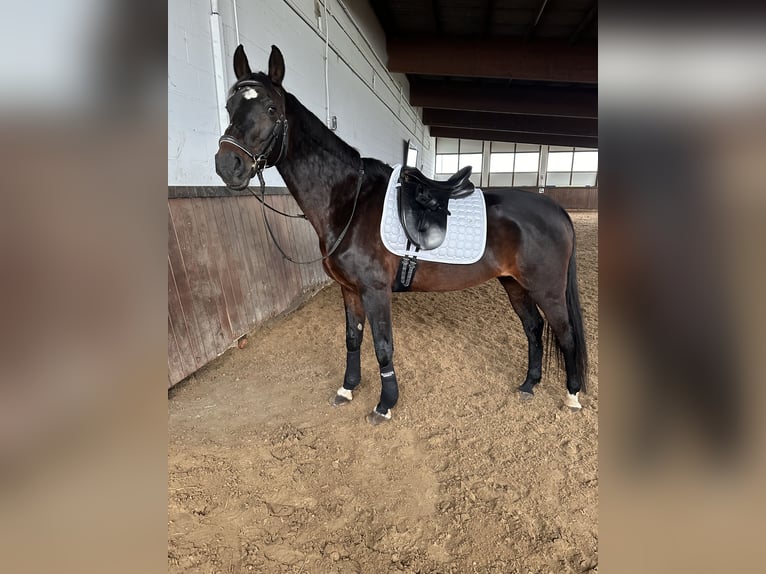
(265, 474)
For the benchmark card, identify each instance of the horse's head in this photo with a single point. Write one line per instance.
(257, 134)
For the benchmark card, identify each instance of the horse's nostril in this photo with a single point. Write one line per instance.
(237, 162)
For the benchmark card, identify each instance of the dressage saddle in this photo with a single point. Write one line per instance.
(423, 205)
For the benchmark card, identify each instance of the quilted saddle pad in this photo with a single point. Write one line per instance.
(466, 228)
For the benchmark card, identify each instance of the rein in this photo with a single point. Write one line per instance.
(337, 241)
(261, 162)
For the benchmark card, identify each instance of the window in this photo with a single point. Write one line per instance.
(526, 162)
(501, 163)
(454, 154)
(446, 163)
(412, 157)
(513, 164)
(585, 161)
(560, 161)
(572, 167)
(517, 164)
(472, 159)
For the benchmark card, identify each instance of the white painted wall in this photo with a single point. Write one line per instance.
(371, 105)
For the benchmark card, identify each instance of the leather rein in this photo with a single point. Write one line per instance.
(261, 162)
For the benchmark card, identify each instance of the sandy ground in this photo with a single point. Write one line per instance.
(265, 476)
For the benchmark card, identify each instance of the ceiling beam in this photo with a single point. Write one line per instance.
(548, 60)
(513, 137)
(489, 9)
(536, 21)
(436, 8)
(383, 11)
(514, 99)
(589, 15)
(511, 122)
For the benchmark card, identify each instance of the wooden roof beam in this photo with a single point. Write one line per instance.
(536, 21)
(515, 99)
(549, 60)
(511, 122)
(513, 137)
(590, 14)
(488, 10)
(383, 11)
(437, 11)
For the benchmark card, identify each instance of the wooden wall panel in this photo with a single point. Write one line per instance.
(251, 242)
(225, 276)
(180, 247)
(568, 197)
(585, 198)
(574, 197)
(240, 261)
(183, 342)
(219, 239)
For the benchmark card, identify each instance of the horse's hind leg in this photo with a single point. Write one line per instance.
(555, 309)
(533, 323)
(354, 333)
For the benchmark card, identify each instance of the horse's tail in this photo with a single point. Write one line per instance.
(575, 318)
(574, 312)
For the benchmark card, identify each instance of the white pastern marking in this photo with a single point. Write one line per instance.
(345, 393)
(572, 401)
(386, 416)
(250, 94)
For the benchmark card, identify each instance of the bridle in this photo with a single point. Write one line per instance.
(261, 162)
(279, 133)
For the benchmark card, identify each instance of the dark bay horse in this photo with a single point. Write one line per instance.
(530, 239)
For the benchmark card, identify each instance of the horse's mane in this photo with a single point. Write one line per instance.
(376, 168)
(315, 130)
(320, 135)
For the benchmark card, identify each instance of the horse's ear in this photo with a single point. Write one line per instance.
(276, 66)
(241, 65)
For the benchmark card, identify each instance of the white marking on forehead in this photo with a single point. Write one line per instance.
(249, 94)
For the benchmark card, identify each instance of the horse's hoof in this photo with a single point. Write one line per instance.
(573, 402)
(339, 401)
(375, 418)
(527, 387)
(526, 396)
(342, 397)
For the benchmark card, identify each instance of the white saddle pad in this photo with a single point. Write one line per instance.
(466, 228)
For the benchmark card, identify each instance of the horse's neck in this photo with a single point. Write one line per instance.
(316, 174)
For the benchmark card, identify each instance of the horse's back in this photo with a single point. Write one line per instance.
(530, 212)
(529, 232)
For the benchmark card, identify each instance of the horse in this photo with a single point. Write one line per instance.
(530, 243)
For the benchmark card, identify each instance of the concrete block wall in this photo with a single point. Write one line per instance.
(371, 105)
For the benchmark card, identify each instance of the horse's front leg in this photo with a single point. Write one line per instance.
(354, 334)
(377, 304)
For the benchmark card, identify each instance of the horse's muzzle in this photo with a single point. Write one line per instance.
(230, 167)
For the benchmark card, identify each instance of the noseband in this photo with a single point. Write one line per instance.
(261, 160)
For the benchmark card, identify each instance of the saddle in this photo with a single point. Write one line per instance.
(423, 205)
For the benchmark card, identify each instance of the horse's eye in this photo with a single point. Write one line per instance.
(272, 110)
